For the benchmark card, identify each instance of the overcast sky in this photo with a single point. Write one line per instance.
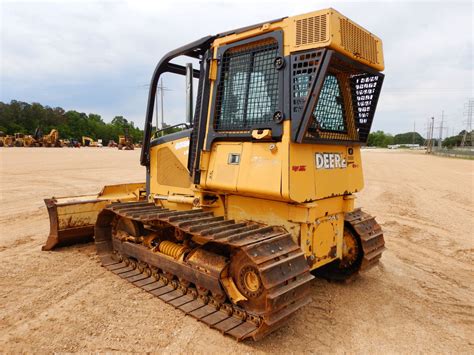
(98, 56)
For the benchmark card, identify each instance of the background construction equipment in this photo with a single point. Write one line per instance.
(125, 142)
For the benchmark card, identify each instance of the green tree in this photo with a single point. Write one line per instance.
(455, 141)
(379, 139)
(407, 138)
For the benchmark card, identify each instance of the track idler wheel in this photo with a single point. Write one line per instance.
(250, 282)
(247, 278)
(351, 251)
(125, 227)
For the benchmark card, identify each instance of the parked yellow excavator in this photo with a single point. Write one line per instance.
(48, 140)
(89, 142)
(256, 194)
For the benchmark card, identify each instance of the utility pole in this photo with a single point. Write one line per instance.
(428, 128)
(414, 130)
(160, 88)
(432, 134)
(440, 138)
(429, 147)
(468, 131)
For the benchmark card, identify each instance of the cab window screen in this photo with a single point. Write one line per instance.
(328, 115)
(247, 94)
(347, 97)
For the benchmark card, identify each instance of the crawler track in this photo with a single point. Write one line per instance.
(269, 251)
(370, 234)
(370, 246)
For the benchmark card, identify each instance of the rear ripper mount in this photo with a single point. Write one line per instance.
(150, 246)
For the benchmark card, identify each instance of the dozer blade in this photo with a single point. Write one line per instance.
(72, 219)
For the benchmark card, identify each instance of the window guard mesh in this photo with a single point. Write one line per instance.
(346, 105)
(304, 69)
(329, 113)
(248, 89)
(365, 90)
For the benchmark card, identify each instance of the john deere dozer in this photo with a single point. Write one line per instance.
(238, 211)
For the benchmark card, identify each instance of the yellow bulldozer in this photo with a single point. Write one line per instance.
(19, 140)
(30, 141)
(2, 139)
(125, 142)
(24, 140)
(239, 211)
(6, 140)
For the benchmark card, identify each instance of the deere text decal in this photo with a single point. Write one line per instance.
(330, 161)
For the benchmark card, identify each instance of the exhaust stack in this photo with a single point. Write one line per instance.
(189, 93)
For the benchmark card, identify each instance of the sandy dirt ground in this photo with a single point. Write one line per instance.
(419, 299)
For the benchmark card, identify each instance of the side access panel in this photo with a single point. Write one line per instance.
(321, 171)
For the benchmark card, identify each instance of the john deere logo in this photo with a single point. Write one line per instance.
(330, 161)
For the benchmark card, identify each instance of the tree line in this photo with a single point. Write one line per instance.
(22, 117)
(382, 139)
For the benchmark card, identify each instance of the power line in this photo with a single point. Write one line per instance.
(159, 89)
(429, 145)
(470, 108)
(440, 138)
